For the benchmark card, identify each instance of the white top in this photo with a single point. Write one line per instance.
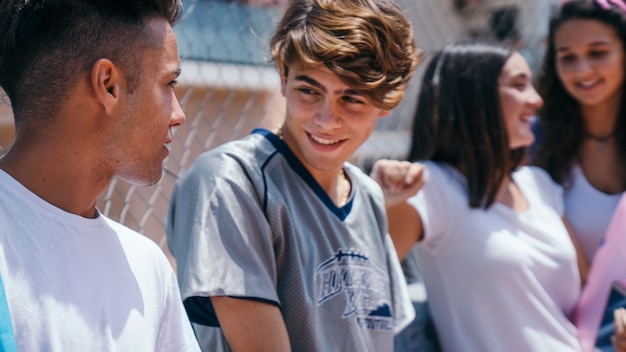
(78, 284)
(588, 210)
(497, 280)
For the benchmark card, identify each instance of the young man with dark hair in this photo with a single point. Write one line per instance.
(91, 87)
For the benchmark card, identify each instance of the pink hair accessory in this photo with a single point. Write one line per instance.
(605, 4)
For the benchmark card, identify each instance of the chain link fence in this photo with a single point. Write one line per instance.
(228, 85)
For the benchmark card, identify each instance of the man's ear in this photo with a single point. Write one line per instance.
(105, 82)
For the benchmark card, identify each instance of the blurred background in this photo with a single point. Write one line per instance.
(228, 86)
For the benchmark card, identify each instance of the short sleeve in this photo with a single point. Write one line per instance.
(551, 193)
(432, 202)
(219, 235)
(175, 332)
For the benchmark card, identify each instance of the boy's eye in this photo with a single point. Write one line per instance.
(307, 94)
(352, 100)
(305, 90)
(173, 83)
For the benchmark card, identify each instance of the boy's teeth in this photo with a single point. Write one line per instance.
(323, 141)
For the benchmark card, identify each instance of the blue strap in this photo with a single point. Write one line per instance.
(7, 338)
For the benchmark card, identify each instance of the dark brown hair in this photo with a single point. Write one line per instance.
(459, 118)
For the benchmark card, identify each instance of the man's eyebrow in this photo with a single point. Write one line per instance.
(175, 72)
(316, 84)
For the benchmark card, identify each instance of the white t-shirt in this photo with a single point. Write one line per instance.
(78, 284)
(589, 211)
(497, 280)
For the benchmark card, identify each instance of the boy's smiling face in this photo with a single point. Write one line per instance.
(326, 120)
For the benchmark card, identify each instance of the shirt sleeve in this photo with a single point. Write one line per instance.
(175, 332)
(219, 235)
(431, 203)
(550, 191)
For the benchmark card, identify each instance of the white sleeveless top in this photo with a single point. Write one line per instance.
(588, 210)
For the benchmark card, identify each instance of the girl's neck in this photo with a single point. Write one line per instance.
(600, 119)
(511, 195)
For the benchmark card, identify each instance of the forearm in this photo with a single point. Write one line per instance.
(405, 227)
(250, 325)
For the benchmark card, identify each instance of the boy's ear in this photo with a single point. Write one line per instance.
(384, 113)
(105, 83)
(283, 71)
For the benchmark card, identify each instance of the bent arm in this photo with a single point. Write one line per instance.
(405, 227)
(250, 325)
(400, 180)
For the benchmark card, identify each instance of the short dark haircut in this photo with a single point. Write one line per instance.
(561, 122)
(46, 45)
(459, 118)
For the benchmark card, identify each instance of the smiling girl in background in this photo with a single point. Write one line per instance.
(584, 130)
(583, 125)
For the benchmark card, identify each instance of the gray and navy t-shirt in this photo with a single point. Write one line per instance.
(248, 220)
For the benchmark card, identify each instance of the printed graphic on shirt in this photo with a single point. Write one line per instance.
(363, 285)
